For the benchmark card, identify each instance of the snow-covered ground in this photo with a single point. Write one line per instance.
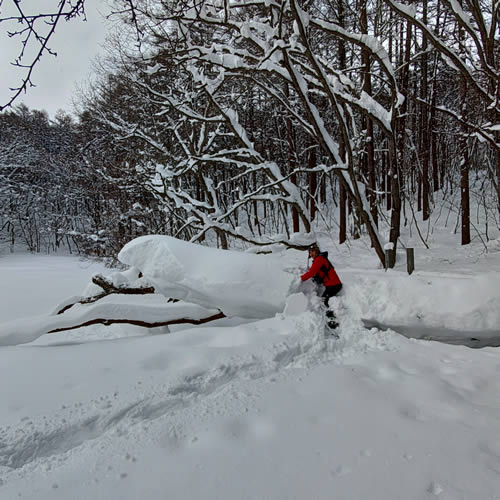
(33, 284)
(255, 408)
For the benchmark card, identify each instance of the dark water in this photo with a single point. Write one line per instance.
(476, 340)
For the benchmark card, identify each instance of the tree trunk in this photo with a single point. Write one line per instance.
(368, 124)
(396, 205)
(396, 154)
(342, 150)
(432, 118)
(313, 184)
(425, 122)
(292, 163)
(464, 161)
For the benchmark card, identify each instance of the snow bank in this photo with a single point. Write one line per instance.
(239, 284)
(434, 300)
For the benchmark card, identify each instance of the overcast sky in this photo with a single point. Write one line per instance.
(76, 42)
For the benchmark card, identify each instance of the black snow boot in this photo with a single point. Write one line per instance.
(331, 319)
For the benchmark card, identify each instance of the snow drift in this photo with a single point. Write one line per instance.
(237, 283)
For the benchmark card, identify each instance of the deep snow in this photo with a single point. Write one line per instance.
(260, 408)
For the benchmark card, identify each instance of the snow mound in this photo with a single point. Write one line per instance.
(239, 284)
(296, 304)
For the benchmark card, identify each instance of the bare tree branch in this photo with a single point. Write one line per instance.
(109, 289)
(31, 32)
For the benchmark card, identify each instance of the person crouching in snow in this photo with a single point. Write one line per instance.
(322, 272)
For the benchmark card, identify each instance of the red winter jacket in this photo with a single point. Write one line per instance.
(322, 268)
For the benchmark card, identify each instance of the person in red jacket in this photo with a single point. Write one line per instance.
(323, 272)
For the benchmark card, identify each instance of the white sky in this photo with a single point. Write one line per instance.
(77, 43)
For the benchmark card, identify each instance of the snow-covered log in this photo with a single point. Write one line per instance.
(149, 311)
(206, 284)
(237, 283)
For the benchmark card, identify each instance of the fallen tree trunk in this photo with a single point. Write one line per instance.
(144, 324)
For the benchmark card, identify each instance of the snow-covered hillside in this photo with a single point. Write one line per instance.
(256, 408)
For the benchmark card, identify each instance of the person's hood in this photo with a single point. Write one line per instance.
(323, 254)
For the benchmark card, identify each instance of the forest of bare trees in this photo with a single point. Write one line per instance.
(261, 122)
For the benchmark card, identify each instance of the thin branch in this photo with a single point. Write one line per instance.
(78, 9)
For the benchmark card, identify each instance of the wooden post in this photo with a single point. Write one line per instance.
(387, 258)
(410, 260)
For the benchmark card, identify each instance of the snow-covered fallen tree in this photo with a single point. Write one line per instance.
(237, 283)
(150, 311)
(169, 282)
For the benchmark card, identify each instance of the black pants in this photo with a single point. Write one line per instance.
(331, 291)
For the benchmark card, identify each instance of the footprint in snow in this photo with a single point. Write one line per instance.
(341, 470)
(435, 489)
